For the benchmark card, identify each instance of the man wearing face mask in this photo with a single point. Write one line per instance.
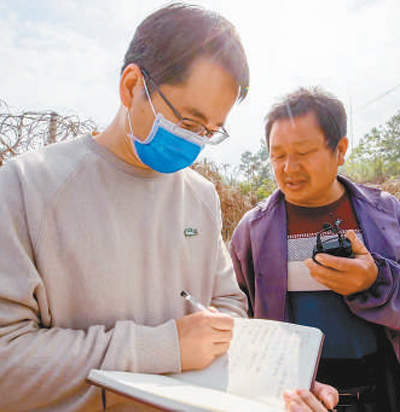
(100, 235)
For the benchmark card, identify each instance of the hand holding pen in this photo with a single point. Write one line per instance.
(197, 305)
(203, 335)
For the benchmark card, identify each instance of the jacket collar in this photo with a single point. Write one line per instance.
(364, 193)
(367, 194)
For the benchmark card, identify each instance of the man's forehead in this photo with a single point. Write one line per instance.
(297, 122)
(197, 114)
(298, 142)
(207, 94)
(299, 130)
(278, 140)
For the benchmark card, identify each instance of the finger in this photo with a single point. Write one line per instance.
(334, 262)
(356, 244)
(221, 321)
(310, 400)
(212, 309)
(222, 336)
(341, 264)
(327, 394)
(322, 272)
(220, 348)
(293, 406)
(331, 282)
(294, 403)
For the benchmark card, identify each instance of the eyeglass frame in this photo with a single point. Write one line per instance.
(207, 132)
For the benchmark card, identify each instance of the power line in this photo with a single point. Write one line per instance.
(378, 97)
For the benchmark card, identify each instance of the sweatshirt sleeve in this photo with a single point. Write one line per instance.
(241, 254)
(42, 365)
(227, 296)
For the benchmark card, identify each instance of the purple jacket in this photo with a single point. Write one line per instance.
(259, 253)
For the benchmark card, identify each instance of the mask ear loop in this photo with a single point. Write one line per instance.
(129, 119)
(151, 105)
(132, 135)
(148, 96)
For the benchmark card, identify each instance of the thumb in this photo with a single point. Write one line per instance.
(356, 244)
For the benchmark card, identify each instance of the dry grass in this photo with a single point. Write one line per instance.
(234, 204)
(392, 186)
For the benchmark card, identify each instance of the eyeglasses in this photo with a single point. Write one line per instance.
(214, 136)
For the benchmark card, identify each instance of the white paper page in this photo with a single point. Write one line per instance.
(176, 395)
(263, 361)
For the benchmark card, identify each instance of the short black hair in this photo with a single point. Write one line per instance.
(328, 110)
(170, 39)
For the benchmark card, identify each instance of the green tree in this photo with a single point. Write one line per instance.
(390, 144)
(257, 172)
(248, 165)
(377, 156)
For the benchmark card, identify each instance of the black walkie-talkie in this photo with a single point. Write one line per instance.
(336, 246)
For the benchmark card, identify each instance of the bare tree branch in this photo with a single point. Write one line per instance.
(29, 130)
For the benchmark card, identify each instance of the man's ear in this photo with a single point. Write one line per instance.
(341, 150)
(130, 82)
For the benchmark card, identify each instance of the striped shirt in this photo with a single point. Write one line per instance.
(312, 303)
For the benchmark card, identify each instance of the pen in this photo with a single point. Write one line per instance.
(192, 300)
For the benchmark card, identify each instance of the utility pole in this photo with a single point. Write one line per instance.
(351, 126)
(52, 128)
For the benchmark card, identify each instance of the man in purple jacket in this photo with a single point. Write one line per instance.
(354, 301)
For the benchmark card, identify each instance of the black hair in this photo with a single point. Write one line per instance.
(167, 42)
(328, 110)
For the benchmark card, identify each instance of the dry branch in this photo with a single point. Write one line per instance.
(29, 130)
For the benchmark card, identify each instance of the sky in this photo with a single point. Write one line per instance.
(66, 56)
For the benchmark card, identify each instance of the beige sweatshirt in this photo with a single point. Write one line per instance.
(93, 257)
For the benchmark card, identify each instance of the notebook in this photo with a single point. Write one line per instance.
(265, 359)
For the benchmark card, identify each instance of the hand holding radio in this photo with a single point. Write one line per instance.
(336, 246)
(331, 266)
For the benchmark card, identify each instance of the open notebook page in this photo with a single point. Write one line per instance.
(265, 359)
(172, 394)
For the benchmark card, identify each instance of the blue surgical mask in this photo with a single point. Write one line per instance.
(168, 147)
